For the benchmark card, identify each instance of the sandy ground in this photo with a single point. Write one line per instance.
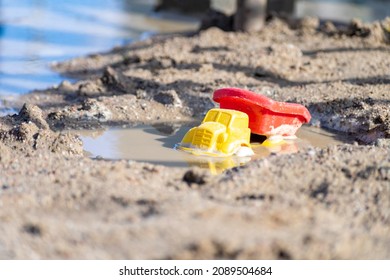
(331, 203)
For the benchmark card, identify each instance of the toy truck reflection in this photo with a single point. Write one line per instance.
(223, 132)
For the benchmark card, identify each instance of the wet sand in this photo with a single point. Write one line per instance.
(319, 203)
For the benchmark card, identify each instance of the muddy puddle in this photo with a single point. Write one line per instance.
(155, 144)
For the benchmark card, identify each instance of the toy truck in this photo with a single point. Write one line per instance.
(226, 130)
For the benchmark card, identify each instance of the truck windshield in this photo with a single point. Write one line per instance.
(215, 116)
(224, 118)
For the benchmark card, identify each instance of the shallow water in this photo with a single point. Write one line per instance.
(155, 144)
(34, 34)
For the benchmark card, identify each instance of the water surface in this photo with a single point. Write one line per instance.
(34, 34)
(155, 144)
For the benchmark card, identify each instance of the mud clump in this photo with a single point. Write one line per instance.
(168, 97)
(89, 113)
(367, 118)
(376, 32)
(31, 113)
(196, 177)
(29, 132)
(114, 79)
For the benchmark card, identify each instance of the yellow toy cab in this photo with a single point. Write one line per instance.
(223, 132)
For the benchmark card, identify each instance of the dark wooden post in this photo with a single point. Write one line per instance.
(186, 6)
(250, 15)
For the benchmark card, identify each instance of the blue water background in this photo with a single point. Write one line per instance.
(35, 33)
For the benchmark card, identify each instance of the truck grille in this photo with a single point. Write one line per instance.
(202, 138)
